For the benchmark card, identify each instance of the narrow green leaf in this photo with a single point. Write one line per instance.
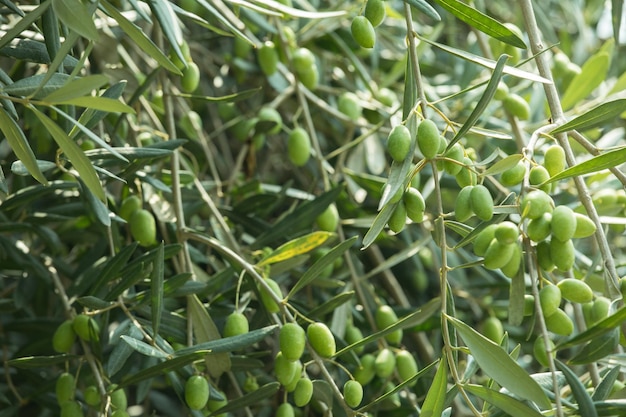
(34, 362)
(379, 224)
(436, 395)
(594, 117)
(496, 363)
(205, 330)
(169, 24)
(293, 12)
(409, 96)
(143, 348)
(76, 87)
(98, 208)
(30, 85)
(606, 160)
(77, 16)
(111, 267)
(156, 289)
(313, 272)
(506, 403)
(94, 303)
(18, 167)
(413, 319)
(488, 63)
(18, 142)
(617, 17)
(251, 398)
(295, 247)
(74, 154)
(611, 408)
(592, 74)
(605, 387)
(18, 28)
(331, 305)
(597, 349)
(140, 38)
(91, 117)
(482, 22)
(241, 95)
(484, 101)
(108, 105)
(425, 8)
(297, 220)
(229, 344)
(603, 326)
(517, 291)
(34, 51)
(230, 20)
(585, 403)
(161, 368)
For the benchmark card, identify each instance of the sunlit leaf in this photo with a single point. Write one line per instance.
(425, 8)
(592, 74)
(77, 16)
(34, 362)
(436, 395)
(29, 85)
(296, 247)
(506, 403)
(205, 331)
(76, 88)
(594, 117)
(143, 348)
(23, 24)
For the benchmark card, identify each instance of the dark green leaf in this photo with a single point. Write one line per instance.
(111, 268)
(425, 8)
(143, 348)
(496, 363)
(585, 403)
(484, 101)
(252, 398)
(156, 289)
(169, 365)
(506, 403)
(605, 387)
(436, 395)
(98, 208)
(24, 23)
(597, 349)
(482, 22)
(34, 51)
(594, 117)
(331, 305)
(314, 271)
(206, 333)
(169, 25)
(94, 303)
(21, 147)
(611, 408)
(592, 74)
(77, 16)
(601, 162)
(34, 362)
(603, 326)
(18, 167)
(76, 87)
(230, 344)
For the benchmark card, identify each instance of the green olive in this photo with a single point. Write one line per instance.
(292, 341)
(268, 57)
(399, 143)
(428, 138)
(375, 11)
(353, 393)
(143, 227)
(299, 147)
(363, 32)
(321, 339)
(64, 337)
(196, 392)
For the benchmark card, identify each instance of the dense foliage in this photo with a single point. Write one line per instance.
(311, 207)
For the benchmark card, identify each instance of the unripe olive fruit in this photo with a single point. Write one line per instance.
(544, 258)
(129, 206)
(363, 32)
(428, 138)
(64, 337)
(65, 387)
(250, 384)
(309, 78)
(292, 341)
(516, 106)
(540, 353)
(463, 204)
(290, 386)
(143, 227)
(600, 309)
(455, 153)
(550, 299)
(353, 335)
(513, 175)
(466, 175)
(414, 204)
(498, 254)
(563, 223)
(353, 393)
(575, 290)
(540, 228)
(375, 11)
(385, 363)
(303, 392)
(120, 413)
(85, 327)
(299, 146)
(399, 143)
(482, 202)
(513, 264)
(563, 254)
(538, 175)
(502, 91)
(529, 305)
(406, 366)
(71, 409)
(492, 329)
(118, 399)
(554, 160)
(483, 239)
(506, 232)
(191, 78)
(284, 369)
(585, 227)
(236, 324)
(321, 339)
(285, 410)
(269, 121)
(268, 57)
(196, 392)
(328, 220)
(349, 104)
(92, 396)
(268, 301)
(303, 59)
(366, 370)
(397, 221)
(385, 317)
(560, 323)
(536, 203)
